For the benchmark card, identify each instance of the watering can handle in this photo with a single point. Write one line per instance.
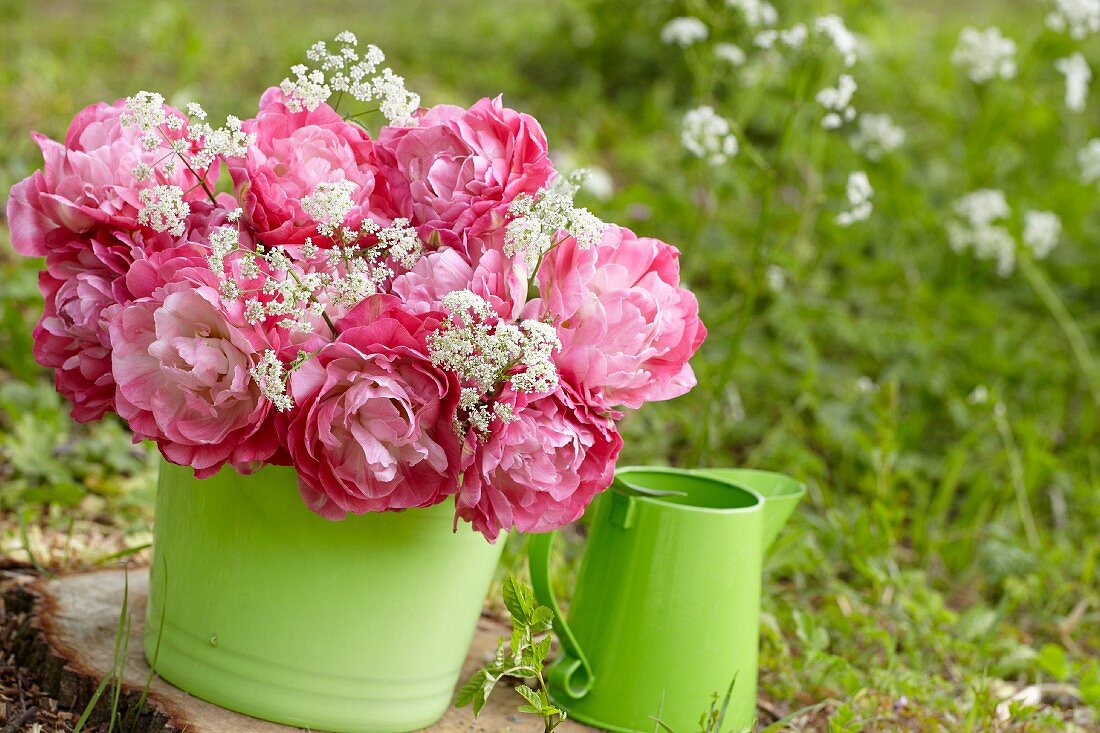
(572, 675)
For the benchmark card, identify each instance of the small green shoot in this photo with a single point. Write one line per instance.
(522, 657)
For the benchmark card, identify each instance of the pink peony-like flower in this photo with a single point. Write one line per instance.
(295, 151)
(372, 427)
(88, 181)
(540, 471)
(458, 165)
(495, 278)
(181, 362)
(71, 336)
(626, 326)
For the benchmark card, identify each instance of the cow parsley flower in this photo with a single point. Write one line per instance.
(270, 376)
(731, 53)
(541, 222)
(346, 71)
(164, 210)
(842, 39)
(838, 102)
(1079, 18)
(985, 54)
(877, 135)
(859, 194)
(1078, 75)
(485, 352)
(776, 278)
(329, 205)
(978, 227)
(757, 13)
(707, 135)
(684, 31)
(1042, 230)
(1088, 158)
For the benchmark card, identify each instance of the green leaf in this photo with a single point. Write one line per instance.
(532, 697)
(542, 649)
(518, 599)
(541, 617)
(470, 689)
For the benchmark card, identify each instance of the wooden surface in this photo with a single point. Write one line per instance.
(66, 635)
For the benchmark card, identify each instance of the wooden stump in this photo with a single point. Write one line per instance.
(65, 633)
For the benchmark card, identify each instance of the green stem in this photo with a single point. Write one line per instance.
(1065, 321)
(1016, 470)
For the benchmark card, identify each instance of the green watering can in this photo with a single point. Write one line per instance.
(666, 610)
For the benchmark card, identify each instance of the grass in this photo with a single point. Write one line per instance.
(947, 554)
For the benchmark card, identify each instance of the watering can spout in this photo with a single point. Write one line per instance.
(780, 493)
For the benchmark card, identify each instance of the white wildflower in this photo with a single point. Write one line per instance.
(776, 278)
(164, 210)
(598, 182)
(765, 39)
(1088, 158)
(877, 135)
(859, 194)
(329, 205)
(1078, 75)
(194, 109)
(978, 228)
(795, 36)
(757, 13)
(842, 39)
(145, 111)
(838, 102)
(707, 135)
(979, 395)
(270, 376)
(684, 31)
(731, 53)
(866, 385)
(1079, 18)
(985, 54)
(1042, 230)
(541, 222)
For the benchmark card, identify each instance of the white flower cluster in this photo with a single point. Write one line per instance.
(201, 145)
(164, 210)
(1078, 75)
(757, 13)
(329, 205)
(484, 353)
(1079, 18)
(985, 54)
(543, 221)
(345, 71)
(270, 376)
(1042, 230)
(1088, 158)
(843, 40)
(731, 53)
(859, 193)
(838, 101)
(683, 31)
(705, 134)
(979, 227)
(877, 135)
(793, 37)
(296, 289)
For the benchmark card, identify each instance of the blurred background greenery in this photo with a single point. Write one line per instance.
(907, 594)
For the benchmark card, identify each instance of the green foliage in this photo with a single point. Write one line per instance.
(521, 657)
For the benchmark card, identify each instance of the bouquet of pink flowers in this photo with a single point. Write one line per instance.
(402, 318)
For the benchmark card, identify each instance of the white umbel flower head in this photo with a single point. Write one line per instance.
(1078, 75)
(837, 102)
(859, 193)
(877, 135)
(707, 135)
(757, 13)
(329, 205)
(1088, 158)
(731, 53)
(978, 228)
(684, 31)
(163, 209)
(985, 54)
(1078, 18)
(1042, 230)
(842, 39)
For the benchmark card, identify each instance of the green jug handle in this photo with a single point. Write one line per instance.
(572, 675)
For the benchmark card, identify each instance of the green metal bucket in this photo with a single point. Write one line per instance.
(359, 626)
(666, 608)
